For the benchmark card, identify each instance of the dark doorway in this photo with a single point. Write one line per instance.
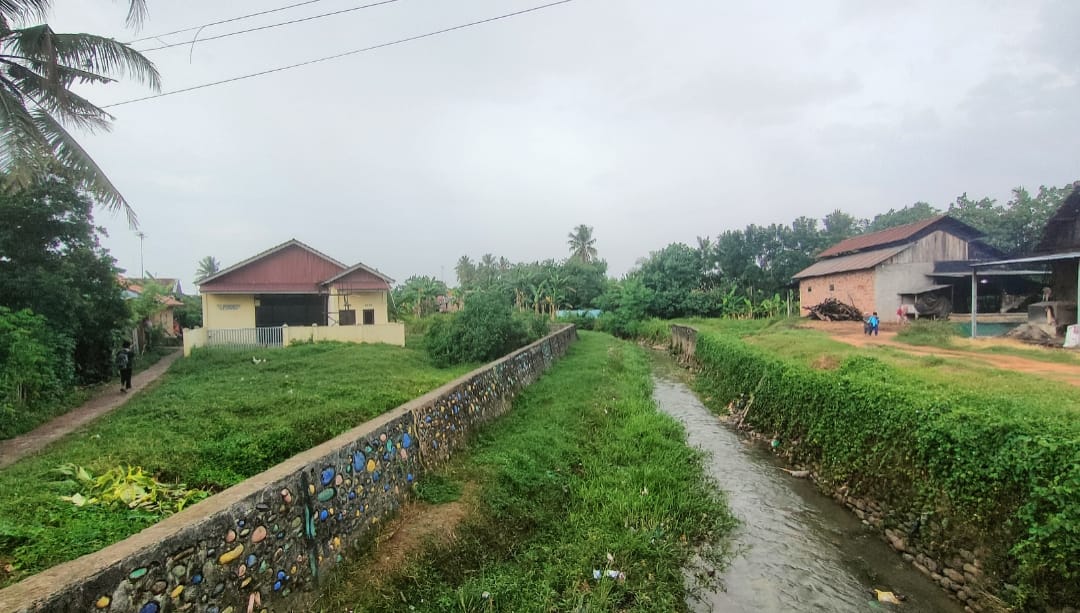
(369, 317)
(293, 310)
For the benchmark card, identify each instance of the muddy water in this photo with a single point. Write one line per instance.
(799, 550)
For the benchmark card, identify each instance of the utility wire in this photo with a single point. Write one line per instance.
(217, 23)
(266, 27)
(339, 55)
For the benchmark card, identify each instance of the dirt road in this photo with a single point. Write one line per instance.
(852, 334)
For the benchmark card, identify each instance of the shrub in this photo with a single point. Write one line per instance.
(484, 330)
(35, 363)
(937, 333)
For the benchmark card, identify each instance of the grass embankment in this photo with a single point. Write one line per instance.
(215, 419)
(988, 457)
(582, 467)
(26, 420)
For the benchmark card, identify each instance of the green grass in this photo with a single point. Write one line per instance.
(929, 333)
(24, 421)
(582, 467)
(215, 419)
(991, 455)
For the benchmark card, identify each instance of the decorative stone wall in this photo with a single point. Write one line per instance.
(264, 544)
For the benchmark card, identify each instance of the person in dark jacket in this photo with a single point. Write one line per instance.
(125, 361)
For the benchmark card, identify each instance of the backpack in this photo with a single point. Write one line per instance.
(123, 361)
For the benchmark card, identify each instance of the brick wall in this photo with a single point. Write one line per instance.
(850, 287)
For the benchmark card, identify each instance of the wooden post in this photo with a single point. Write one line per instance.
(974, 299)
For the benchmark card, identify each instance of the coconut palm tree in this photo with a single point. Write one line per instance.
(466, 272)
(38, 67)
(207, 266)
(581, 243)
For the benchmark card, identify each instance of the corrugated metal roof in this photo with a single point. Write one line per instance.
(846, 263)
(1068, 255)
(269, 252)
(885, 237)
(292, 268)
(359, 268)
(922, 290)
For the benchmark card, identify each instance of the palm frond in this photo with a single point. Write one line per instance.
(97, 54)
(22, 150)
(137, 13)
(24, 10)
(57, 100)
(66, 150)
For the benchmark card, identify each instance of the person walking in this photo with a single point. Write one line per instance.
(125, 360)
(873, 324)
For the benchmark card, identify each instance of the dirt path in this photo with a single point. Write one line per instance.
(13, 450)
(852, 334)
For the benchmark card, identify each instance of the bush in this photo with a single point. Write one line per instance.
(995, 471)
(937, 333)
(484, 330)
(35, 364)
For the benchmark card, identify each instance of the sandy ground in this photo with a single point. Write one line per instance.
(852, 334)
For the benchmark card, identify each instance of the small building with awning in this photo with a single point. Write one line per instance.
(899, 267)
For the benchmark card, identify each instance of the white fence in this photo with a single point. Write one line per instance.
(243, 338)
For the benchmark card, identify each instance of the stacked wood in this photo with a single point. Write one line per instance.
(832, 309)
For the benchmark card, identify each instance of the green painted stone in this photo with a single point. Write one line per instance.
(138, 573)
(327, 494)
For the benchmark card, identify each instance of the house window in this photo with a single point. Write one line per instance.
(809, 289)
(347, 317)
(369, 317)
(831, 288)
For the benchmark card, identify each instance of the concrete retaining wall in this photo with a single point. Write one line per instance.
(263, 544)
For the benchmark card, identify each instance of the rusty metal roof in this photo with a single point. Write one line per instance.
(847, 263)
(358, 273)
(904, 233)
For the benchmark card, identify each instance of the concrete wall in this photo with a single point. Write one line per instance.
(358, 301)
(265, 544)
(389, 333)
(891, 279)
(856, 287)
(228, 311)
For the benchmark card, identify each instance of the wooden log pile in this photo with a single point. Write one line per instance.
(832, 309)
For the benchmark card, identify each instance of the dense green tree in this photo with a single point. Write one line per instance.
(909, 214)
(419, 295)
(465, 271)
(582, 244)
(52, 263)
(38, 68)
(1016, 226)
(670, 274)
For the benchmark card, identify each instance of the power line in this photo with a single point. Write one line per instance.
(339, 55)
(266, 27)
(217, 23)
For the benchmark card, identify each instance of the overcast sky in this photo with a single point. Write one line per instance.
(654, 121)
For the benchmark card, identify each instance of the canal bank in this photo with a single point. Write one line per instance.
(796, 549)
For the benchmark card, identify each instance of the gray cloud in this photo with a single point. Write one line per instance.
(653, 122)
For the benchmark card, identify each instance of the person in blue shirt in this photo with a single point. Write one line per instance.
(872, 324)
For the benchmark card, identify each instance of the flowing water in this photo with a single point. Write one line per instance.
(798, 550)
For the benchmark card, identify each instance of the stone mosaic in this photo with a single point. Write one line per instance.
(267, 552)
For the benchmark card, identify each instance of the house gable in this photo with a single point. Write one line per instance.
(1062, 231)
(290, 268)
(906, 233)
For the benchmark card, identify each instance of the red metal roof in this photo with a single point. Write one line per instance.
(290, 268)
(360, 277)
(892, 235)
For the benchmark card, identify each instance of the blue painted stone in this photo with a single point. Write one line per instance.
(453, 428)
(213, 609)
(150, 607)
(457, 409)
(375, 476)
(435, 444)
(386, 457)
(327, 475)
(277, 586)
(323, 515)
(386, 488)
(406, 441)
(352, 495)
(358, 461)
(251, 559)
(240, 523)
(409, 477)
(280, 574)
(196, 579)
